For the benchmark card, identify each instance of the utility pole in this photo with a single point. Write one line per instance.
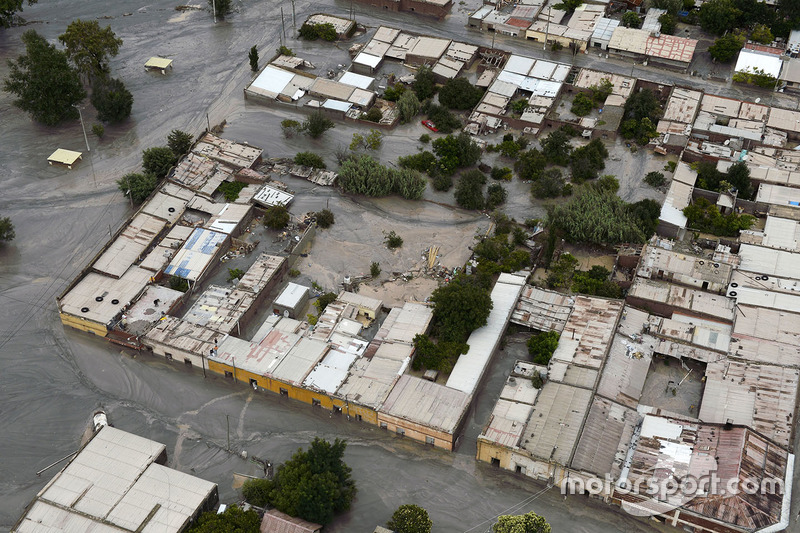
(283, 25)
(547, 28)
(228, 420)
(85, 138)
(214, 9)
(294, 20)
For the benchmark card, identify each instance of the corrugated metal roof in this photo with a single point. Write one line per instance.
(326, 88)
(291, 295)
(114, 484)
(275, 521)
(370, 380)
(412, 319)
(220, 308)
(196, 254)
(519, 64)
(181, 335)
(429, 47)
(260, 273)
(137, 237)
(625, 371)
(300, 361)
(64, 157)
(262, 359)
(357, 80)
(270, 196)
(606, 437)
(200, 174)
(470, 366)
(166, 206)
(386, 34)
(768, 261)
(541, 309)
(589, 331)
(226, 151)
(427, 403)
(329, 373)
(685, 298)
(750, 60)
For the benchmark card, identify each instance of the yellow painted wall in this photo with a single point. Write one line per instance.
(83, 324)
(416, 431)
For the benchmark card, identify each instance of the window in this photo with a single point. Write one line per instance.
(337, 408)
(254, 384)
(495, 461)
(384, 425)
(401, 431)
(358, 417)
(168, 356)
(284, 392)
(187, 361)
(315, 402)
(520, 469)
(429, 440)
(228, 374)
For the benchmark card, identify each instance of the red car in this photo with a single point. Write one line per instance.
(430, 125)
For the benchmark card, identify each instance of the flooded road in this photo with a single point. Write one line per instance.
(53, 378)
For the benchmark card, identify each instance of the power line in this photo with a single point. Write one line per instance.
(524, 502)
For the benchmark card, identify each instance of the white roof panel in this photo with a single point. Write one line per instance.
(519, 64)
(367, 59)
(750, 60)
(356, 80)
(272, 81)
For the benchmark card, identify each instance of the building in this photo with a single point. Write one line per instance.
(292, 301)
(275, 521)
(640, 45)
(790, 75)
(118, 482)
(344, 27)
(661, 263)
(434, 8)
(602, 33)
(754, 61)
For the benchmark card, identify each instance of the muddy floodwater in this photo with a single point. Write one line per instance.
(53, 378)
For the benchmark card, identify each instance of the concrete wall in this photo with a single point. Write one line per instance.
(416, 431)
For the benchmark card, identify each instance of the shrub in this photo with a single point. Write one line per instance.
(394, 92)
(293, 272)
(671, 166)
(518, 106)
(393, 240)
(373, 115)
(608, 183)
(424, 138)
(284, 51)
(309, 159)
(443, 182)
(312, 32)
(325, 218)
(137, 186)
(98, 130)
(178, 284)
(317, 124)
(231, 189)
(235, 273)
(374, 269)
(423, 161)
(469, 190)
(276, 217)
(655, 179)
(290, 128)
(704, 216)
(257, 491)
(179, 142)
(495, 195)
(630, 19)
(158, 161)
(501, 173)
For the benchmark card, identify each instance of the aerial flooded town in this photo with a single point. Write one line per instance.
(400, 266)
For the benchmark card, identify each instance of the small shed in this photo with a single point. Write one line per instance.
(64, 157)
(291, 302)
(275, 521)
(158, 63)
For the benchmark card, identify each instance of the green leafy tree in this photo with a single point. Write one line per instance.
(290, 128)
(719, 16)
(501, 173)
(374, 269)
(112, 100)
(456, 152)
(276, 217)
(233, 520)
(285, 51)
(89, 47)
(223, 7)
(322, 302)
(460, 307)
(587, 161)
(608, 183)
(8, 12)
(630, 19)
(423, 161)
(45, 85)
(469, 190)
(445, 121)
(180, 142)
(527, 523)
(252, 56)
(231, 189)
(549, 185)
(519, 106)
(317, 124)
(568, 5)
(738, 175)
(7, 233)
(393, 240)
(137, 186)
(257, 491)
(158, 160)
(640, 115)
(315, 485)
(561, 271)
(235, 273)
(410, 518)
(726, 47)
(668, 23)
(178, 284)
(325, 31)
(596, 217)
(645, 213)
(325, 218)
(595, 282)
(408, 106)
(373, 115)
(424, 85)
(530, 164)
(704, 216)
(309, 159)
(655, 179)
(556, 148)
(394, 92)
(496, 195)
(582, 105)
(542, 346)
(459, 93)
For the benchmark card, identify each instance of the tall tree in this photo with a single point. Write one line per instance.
(8, 11)
(45, 84)
(179, 142)
(89, 47)
(158, 160)
(223, 7)
(6, 229)
(315, 484)
(719, 16)
(526, 523)
(233, 520)
(253, 57)
(317, 124)
(424, 83)
(460, 307)
(112, 100)
(408, 106)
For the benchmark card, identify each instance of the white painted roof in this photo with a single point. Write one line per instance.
(271, 81)
(356, 80)
(750, 60)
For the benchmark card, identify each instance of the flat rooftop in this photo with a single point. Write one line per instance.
(100, 298)
(606, 437)
(225, 151)
(691, 300)
(425, 402)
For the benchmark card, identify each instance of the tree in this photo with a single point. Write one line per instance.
(373, 115)
(424, 85)
(608, 183)
(530, 164)
(276, 217)
(231, 189)
(309, 159)
(252, 56)
(6, 229)
(568, 5)
(45, 84)
(394, 92)
(445, 121)
(587, 161)
(596, 217)
(393, 240)
(456, 152)
(410, 518)
(374, 269)
(704, 216)
(315, 485)
(89, 47)
(8, 10)
(630, 19)
(738, 175)
(223, 7)
(408, 106)
(158, 160)
(459, 93)
(542, 346)
(364, 175)
(325, 218)
(640, 116)
(655, 179)
(718, 16)
(582, 105)
(325, 31)
(285, 51)
(668, 23)
(257, 491)
(556, 148)
(317, 124)
(526, 523)
(233, 520)
(290, 128)
(112, 100)
(137, 186)
(726, 47)
(180, 142)
(322, 302)
(495, 195)
(469, 190)
(460, 307)
(549, 185)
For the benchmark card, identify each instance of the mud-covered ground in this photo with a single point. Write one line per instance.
(53, 378)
